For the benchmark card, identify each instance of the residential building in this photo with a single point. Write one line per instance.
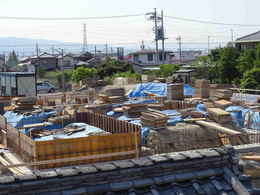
(45, 61)
(248, 42)
(147, 58)
(2, 61)
(185, 57)
(72, 60)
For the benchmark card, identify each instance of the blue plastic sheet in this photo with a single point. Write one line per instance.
(19, 120)
(202, 108)
(159, 89)
(89, 130)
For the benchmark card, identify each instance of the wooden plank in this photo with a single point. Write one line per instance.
(217, 127)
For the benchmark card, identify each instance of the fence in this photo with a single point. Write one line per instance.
(123, 137)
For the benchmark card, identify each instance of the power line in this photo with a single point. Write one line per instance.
(213, 23)
(69, 18)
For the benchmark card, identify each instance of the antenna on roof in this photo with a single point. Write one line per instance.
(142, 46)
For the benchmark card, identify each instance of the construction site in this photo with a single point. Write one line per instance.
(86, 131)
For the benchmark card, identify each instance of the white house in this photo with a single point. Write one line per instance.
(148, 57)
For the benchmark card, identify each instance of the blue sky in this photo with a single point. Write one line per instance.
(128, 30)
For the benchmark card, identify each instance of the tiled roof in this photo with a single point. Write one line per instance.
(251, 37)
(206, 171)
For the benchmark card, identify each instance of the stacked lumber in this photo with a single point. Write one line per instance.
(223, 94)
(99, 108)
(63, 119)
(155, 106)
(23, 103)
(222, 104)
(134, 110)
(116, 99)
(202, 88)
(154, 119)
(115, 92)
(209, 104)
(175, 91)
(219, 115)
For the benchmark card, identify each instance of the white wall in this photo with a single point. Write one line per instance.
(143, 59)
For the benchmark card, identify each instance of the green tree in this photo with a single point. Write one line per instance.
(112, 66)
(227, 64)
(257, 56)
(246, 60)
(251, 79)
(168, 69)
(67, 77)
(82, 73)
(12, 59)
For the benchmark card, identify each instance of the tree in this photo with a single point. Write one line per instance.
(168, 69)
(227, 64)
(246, 60)
(251, 79)
(257, 56)
(82, 73)
(12, 59)
(67, 77)
(111, 66)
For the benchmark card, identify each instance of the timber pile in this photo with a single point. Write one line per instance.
(175, 91)
(115, 92)
(223, 94)
(202, 88)
(134, 110)
(64, 119)
(219, 115)
(154, 119)
(116, 99)
(99, 108)
(23, 103)
(222, 104)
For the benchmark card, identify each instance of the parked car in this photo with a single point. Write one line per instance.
(45, 87)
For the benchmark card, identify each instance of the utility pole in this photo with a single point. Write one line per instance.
(84, 48)
(208, 44)
(163, 38)
(180, 52)
(95, 51)
(156, 35)
(232, 35)
(106, 46)
(111, 49)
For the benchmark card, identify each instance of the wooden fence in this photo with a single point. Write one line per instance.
(122, 137)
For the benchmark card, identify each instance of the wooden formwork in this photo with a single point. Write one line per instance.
(177, 105)
(123, 137)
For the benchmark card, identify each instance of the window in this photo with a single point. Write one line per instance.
(150, 57)
(136, 58)
(161, 56)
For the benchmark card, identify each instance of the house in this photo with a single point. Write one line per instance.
(72, 60)
(2, 61)
(185, 57)
(147, 58)
(248, 42)
(45, 61)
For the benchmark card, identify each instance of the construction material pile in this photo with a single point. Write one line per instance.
(219, 115)
(175, 91)
(182, 137)
(202, 88)
(134, 110)
(21, 104)
(115, 92)
(154, 119)
(223, 94)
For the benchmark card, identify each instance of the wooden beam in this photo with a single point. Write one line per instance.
(217, 127)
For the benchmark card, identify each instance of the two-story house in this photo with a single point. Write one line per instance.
(149, 58)
(248, 42)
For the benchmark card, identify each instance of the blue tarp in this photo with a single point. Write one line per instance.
(19, 120)
(89, 130)
(202, 108)
(159, 89)
(238, 114)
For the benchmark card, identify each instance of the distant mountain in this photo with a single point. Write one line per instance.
(26, 46)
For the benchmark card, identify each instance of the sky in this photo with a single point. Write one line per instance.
(132, 30)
